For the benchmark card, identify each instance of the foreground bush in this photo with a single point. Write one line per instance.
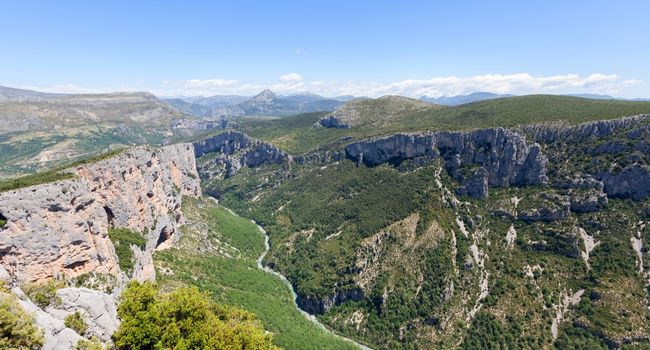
(184, 319)
(17, 329)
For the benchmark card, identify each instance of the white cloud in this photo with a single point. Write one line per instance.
(517, 83)
(291, 77)
(210, 83)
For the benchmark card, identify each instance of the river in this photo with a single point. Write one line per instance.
(267, 269)
(308, 316)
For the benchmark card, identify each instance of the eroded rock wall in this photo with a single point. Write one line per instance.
(233, 150)
(503, 156)
(61, 228)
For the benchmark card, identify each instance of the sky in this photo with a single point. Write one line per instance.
(362, 48)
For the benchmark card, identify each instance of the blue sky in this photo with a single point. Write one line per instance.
(333, 48)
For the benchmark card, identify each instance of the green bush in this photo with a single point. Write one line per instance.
(43, 294)
(122, 240)
(184, 319)
(76, 322)
(92, 344)
(17, 330)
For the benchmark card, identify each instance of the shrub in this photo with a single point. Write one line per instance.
(43, 294)
(76, 322)
(92, 344)
(184, 319)
(17, 330)
(122, 240)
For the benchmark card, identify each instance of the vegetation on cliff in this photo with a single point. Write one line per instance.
(123, 239)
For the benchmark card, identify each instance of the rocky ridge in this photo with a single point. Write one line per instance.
(232, 150)
(479, 158)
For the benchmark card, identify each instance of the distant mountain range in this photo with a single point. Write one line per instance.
(270, 104)
(264, 103)
(462, 99)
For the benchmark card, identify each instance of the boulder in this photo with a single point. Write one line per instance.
(98, 310)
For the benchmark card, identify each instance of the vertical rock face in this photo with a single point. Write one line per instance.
(235, 150)
(61, 228)
(505, 156)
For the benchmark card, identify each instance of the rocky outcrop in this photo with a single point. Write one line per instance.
(57, 335)
(546, 207)
(333, 121)
(199, 124)
(96, 308)
(318, 306)
(475, 185)
(61, 228)
(232, 150)
(505, 155)
(548, 133)
(632, 181)
(587, 201)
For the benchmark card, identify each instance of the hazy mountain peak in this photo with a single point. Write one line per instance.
(265, 95)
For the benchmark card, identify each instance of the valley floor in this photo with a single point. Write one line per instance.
(218, 253)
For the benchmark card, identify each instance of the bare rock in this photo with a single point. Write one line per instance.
(61, 228)
(632, 181)
(98, 310)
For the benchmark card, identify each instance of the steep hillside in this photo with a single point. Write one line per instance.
(29, 110)
(42, 130)
(526, 237)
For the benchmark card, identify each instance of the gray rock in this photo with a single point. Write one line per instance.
(98, 310)
(631, 182)
(333, 121)
(505, 155)
(233, 150)
(548, 133)
(546, 207)
(585, 182)
(199, 124)
(476, 185)
(611, 147)
(57, 335)
(61, 229)
(586, 202)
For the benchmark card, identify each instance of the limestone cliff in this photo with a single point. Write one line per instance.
(503, 156)
(61, 229)
(232, 150)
